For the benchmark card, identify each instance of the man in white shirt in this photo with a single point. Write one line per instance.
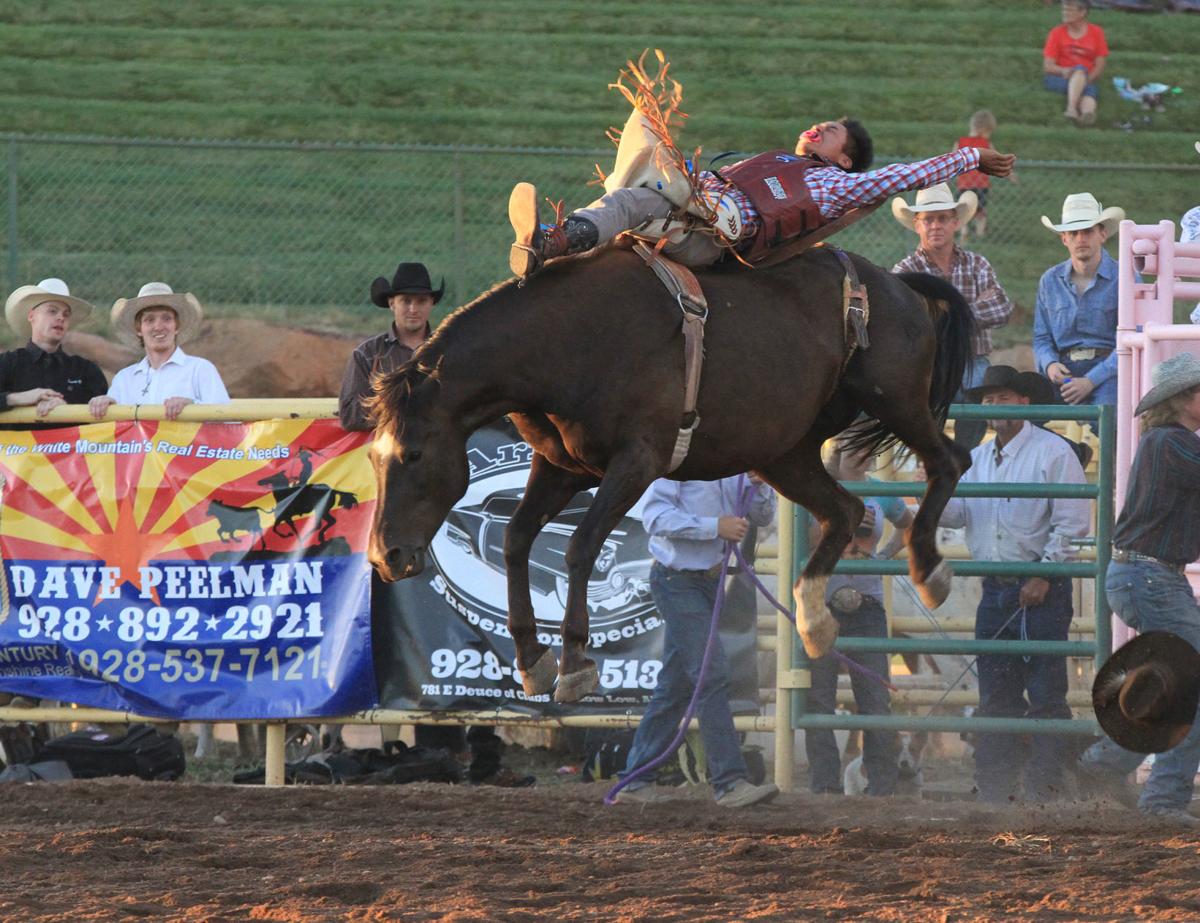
(1034, 608)
(158, 320)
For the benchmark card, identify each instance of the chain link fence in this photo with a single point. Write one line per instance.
(301, 229)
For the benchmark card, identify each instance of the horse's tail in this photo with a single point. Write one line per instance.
(954, 326)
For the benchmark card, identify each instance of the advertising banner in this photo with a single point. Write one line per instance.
(188, 570)
(442, 640)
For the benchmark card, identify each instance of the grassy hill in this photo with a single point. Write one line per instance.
(519, 73)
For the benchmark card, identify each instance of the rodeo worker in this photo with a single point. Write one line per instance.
(750, 207)
(1157, 535)
(1033, 608)
(158, 320)
(689, 523)
(856, 601)
(41, 374)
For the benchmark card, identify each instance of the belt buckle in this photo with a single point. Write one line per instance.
(1080, 353)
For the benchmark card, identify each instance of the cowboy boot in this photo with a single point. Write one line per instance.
(534, 242)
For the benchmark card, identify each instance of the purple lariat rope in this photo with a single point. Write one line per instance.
(731, 548)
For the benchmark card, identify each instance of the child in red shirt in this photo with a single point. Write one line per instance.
(981, 126)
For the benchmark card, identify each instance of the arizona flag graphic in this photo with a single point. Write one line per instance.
(188, 570)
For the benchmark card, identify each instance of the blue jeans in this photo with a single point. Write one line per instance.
(1148, 597)
(1004, 681)
(1106, 391)
(1058, 84)
(685, 601)
(879, 747)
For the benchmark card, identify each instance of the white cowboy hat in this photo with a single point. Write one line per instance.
(28, 297)
(1171, 377)
(937, 198)
(157, 295)
(1081, 211)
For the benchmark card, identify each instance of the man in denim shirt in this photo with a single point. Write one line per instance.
(1075, 322)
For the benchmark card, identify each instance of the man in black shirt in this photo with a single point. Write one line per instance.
(410, 297)
(1157, 535)
(39, 374)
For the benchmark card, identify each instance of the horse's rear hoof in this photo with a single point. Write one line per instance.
(936, 587)
(539, 679)
(574, 686)
(818, 639)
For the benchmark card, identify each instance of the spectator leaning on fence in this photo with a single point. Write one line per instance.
(158, 320)
(1034, 608)
(410, 297)
(1157, 535)
(856, 602)
(1075, 319)
(1073, 59)
(689, 523)
(41, 373)
(936, 217)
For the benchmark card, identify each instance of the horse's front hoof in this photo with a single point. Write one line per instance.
(539, 679)
(818, 638)
(936, 587)
(574, 686)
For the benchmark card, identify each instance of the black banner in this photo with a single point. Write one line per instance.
(441, 639)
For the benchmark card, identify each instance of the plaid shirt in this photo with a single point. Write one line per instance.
(972, 275)
(835, 192)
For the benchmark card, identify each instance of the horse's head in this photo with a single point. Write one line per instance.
(420, 458)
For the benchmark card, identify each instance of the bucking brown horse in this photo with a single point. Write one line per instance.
(587, 360)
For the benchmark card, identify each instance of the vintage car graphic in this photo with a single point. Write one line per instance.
(619, 585)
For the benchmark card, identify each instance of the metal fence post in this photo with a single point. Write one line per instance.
(1105, 505)
(460, 285)
(785, 735)
(13, 245)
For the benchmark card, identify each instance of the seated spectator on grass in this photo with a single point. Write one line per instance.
(1074, 56)
(158, 320)
(40, 373)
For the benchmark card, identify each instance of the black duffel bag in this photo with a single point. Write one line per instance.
(141, 751)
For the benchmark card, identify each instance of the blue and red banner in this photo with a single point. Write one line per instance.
(188, 570)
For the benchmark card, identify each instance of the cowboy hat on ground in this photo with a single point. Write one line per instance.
(188, 312)
(28, 297)
(409, 279)
(1005, 377)
(1081, 211)
(1171, 377)
(937, 198)
(1145, 695)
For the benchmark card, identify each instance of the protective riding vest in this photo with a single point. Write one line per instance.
(774, 184)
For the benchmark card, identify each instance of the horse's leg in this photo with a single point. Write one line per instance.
(625, 480)
(801, 477)
(945, 462)
(547, 491)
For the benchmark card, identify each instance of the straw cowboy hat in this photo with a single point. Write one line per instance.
(28, 297)
(1145, 695)
(997, 377)
(937, 198)
(187, 309)
(1171, 377)
(1081, 211)
(409, 279)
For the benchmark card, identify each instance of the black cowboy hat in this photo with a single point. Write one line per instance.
(996, 377)
(1146, 694)
(409, 279)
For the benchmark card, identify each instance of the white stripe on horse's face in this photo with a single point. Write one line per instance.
(385, 445)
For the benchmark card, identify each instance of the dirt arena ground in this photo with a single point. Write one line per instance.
(117, 850)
